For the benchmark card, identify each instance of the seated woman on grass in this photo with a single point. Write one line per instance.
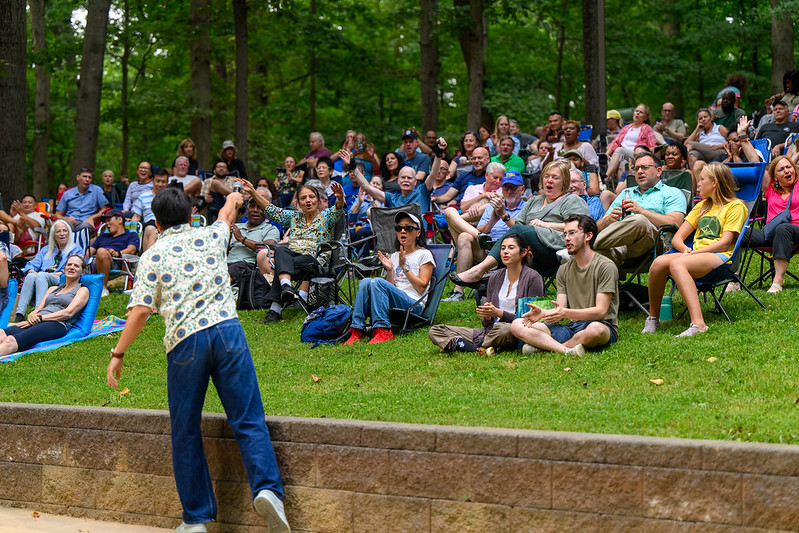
(505, 287)
(718, 220)
(408, 272)
(55, 314)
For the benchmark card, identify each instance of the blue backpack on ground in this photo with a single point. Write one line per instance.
(326, 325)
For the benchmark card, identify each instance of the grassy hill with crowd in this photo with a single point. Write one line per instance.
(739, 381)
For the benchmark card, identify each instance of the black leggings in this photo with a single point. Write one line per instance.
(785, 236)
(288, 262)
(43, 331)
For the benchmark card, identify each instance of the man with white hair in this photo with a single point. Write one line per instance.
(191, 184)
(318, 150)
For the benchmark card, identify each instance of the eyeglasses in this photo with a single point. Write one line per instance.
(408, 228)
(510, 186)
(572, 233)
(642, 167)
(144, 168)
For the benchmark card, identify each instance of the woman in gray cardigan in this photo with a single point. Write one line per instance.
(505, 287)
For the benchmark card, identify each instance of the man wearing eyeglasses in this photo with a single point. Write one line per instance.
(493, 223)
(629, 229)
(588, 299)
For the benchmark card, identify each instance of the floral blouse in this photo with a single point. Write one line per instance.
(305, 238)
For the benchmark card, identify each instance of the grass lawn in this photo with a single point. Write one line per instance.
(750, 392)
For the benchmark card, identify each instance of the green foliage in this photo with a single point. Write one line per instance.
(367, 68)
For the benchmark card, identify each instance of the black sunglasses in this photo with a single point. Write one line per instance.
(407, 227)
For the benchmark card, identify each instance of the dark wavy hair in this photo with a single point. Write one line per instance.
(385, 173)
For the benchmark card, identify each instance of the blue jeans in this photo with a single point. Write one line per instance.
(38, 282)
(220, 352)
(375, 297)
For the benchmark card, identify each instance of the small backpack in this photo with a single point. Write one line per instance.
(326, 325)
(251, 284)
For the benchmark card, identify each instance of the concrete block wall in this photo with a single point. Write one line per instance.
(353, 476)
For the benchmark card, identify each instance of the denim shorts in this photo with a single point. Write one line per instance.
(563, 332)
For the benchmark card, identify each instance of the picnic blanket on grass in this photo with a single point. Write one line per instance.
(104, 326)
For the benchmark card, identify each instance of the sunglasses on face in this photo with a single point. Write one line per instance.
(408, 228)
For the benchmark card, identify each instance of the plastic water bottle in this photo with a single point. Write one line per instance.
(665, 309)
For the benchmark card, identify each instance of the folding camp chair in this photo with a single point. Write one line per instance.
(126, 264)
(764, 147)
(749, 177)
(409, 321)
(586, 130)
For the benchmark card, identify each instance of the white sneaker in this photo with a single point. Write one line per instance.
(577, 351)
(191, 528)
(105, 292)
(529, 348)
(775, 288)
(652, 323)
(268, 505)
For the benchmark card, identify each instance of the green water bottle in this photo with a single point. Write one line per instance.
(665, 309)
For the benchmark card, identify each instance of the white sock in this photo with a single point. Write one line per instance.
(303, 294)
(276, 307)
(284, 282)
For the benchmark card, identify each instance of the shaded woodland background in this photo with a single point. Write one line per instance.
(108, 83)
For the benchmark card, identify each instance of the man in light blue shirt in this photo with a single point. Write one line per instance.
(81, 206)
(650, 205)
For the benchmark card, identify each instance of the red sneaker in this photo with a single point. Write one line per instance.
(355, 336)
(382, 335)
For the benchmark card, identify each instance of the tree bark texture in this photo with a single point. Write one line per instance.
(242, 75)
(87, 107)
(429, 63)
(312, 79)
(41, 106)
(13, 58)
(124, 101)
(473, 38)
(594, 64)
(781, 44)
(200, 59)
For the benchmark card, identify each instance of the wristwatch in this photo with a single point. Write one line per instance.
(506, 217)
(117, 355)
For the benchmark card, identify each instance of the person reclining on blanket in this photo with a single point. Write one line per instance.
(55, 314)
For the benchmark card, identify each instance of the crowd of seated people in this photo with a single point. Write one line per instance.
(502, 200)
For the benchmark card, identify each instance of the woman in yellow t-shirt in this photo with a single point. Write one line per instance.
(717, 220)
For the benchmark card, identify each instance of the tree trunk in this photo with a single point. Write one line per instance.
(473, 38)
(429, 63)
(559, 67)
(200, 58)
(672, 28)
(312, 81)
(242, 74)
(41, 107)
(90, 84)
(13, 92)
(781, 44)
(124, 102)
(594, 64)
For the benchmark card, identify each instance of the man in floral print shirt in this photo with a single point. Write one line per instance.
(184, 277)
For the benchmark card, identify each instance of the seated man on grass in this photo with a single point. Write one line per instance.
(112, 244)
(492, 225)
(587, 297)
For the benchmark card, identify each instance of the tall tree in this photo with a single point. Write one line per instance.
(87, 108)
(13, 59)
(41, 106)
(781, 43)
(429, 63)
(123, 169)
(242, 75)
(200, 52)
(594, 63)
(473, 38)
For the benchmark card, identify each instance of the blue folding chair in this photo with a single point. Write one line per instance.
(586, 130)
(764, 147)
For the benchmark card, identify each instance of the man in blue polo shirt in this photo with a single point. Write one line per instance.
(80, 206)
(411, 157)
(651, 204)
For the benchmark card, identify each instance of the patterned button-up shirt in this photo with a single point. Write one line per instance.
(184, 276)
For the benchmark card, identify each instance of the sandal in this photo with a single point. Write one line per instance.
(775, 288)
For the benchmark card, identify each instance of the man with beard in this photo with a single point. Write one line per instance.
(728, 115)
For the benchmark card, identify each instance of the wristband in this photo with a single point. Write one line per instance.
(117, 355)
(506, 217)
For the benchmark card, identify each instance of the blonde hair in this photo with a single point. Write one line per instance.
(725, 187)
(563, 166)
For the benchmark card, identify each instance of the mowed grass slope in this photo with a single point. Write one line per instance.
(750, 392)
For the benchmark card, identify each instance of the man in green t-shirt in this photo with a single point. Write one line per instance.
(506, 157)
(587, 297)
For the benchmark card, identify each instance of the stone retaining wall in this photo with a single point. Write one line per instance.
(342, 475)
